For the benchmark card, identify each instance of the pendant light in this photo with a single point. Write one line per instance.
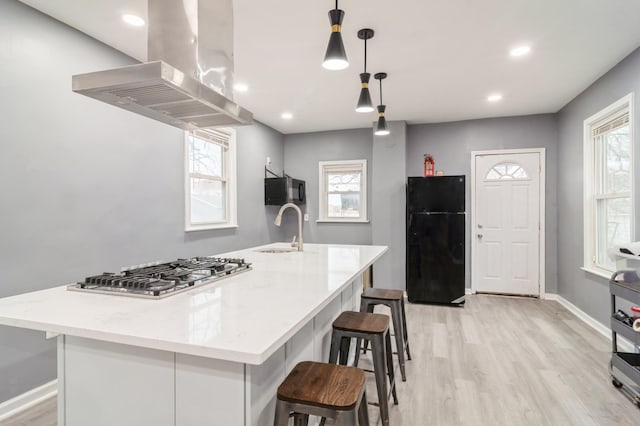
(381, 128)
(364, 101)
(335, 58)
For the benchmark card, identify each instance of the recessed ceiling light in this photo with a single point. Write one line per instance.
(287, 115)
(520, 51)
(240, 87)
(134, 20)
(494, 97)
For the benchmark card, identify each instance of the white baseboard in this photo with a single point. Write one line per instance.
(588, 319)
(28, 399)
(623, 343)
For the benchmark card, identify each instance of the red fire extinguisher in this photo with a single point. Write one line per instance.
(429, 165)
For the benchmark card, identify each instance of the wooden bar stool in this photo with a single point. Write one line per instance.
(314, 388)
(375, 328)
(394, 299)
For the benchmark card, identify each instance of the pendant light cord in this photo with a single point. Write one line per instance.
(365, 55)
(336, 4)
(380, 91)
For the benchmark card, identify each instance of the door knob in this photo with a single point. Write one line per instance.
(479, 235)
(479, 226)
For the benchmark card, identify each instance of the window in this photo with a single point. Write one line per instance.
(608, 183)
(210, 200)
(507, 171)
(343, 191)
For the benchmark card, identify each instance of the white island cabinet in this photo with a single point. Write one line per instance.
(213, 355)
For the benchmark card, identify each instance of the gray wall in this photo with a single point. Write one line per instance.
(388, 205)
(302, 152)
(451, 145)
(87, 187)
(587, 291)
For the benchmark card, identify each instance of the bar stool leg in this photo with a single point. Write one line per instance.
(300, 419)
(345, 344)
(363, 411)
(339, 350)
(396, 316)
(390, 372)
(347, 418)
(336, 340)
(379, 368)
(282, 414)
(404, 329)
(358, 348)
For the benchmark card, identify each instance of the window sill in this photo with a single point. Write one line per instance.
(209, 227)
(342, 221)
(598, 272)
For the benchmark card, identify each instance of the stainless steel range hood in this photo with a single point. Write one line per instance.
(188, 82)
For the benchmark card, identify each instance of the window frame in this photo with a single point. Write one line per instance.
(591, 190)
(323, 215)
(229, 168)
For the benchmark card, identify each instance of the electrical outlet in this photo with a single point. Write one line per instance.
(306, 217)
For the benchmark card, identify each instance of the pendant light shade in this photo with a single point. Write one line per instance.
(335, 57)
(382, 129)
(364, 101)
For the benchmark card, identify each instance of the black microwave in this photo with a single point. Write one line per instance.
(282, 190)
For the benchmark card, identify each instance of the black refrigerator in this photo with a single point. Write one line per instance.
(436, 239)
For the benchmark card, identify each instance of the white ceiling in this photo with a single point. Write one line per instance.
(443, 57)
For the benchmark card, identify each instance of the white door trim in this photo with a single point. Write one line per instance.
(543, 178)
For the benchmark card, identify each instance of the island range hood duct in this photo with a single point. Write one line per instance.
(188, 81)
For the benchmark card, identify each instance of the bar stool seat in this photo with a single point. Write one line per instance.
(375, 328)
(349, 320)
(327, 390)
(383, 293)
(394, 299)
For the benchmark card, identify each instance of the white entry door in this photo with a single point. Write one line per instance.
(506, 228)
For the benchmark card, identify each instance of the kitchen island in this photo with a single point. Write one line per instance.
(213, 355)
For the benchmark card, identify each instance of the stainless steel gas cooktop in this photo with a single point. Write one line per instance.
(160, 280)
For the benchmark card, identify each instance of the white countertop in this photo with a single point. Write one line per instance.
(244, 318)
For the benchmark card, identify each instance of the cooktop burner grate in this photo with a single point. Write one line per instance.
(162, 279)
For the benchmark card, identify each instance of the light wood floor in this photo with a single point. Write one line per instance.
(497, 361)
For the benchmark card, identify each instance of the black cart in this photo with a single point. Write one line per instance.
(625, 366)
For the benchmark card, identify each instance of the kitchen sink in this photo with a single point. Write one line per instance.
(277, 250)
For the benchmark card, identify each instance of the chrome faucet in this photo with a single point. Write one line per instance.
(278, 221)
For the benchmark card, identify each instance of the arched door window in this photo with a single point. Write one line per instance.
(507, 171)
